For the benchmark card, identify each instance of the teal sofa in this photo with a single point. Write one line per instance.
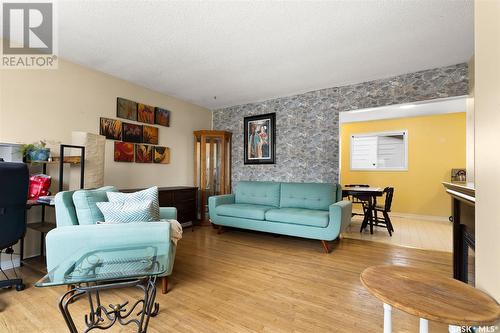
(308, 210)
(76, 228)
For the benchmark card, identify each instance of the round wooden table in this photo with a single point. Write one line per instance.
(429, 296)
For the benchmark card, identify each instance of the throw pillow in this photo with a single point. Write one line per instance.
(150, 194)
(85, 204)
(126, 212)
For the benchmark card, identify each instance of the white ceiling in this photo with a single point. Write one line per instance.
(248, 51)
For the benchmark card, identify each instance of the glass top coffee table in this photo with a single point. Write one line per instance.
(88, 271)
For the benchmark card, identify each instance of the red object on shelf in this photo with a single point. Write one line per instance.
(39, 186)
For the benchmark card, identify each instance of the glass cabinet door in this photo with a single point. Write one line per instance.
(212, 173)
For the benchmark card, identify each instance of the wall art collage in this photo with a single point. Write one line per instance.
(136, 142)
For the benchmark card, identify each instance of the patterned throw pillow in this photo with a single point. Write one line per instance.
(126, 212)
(150, 194)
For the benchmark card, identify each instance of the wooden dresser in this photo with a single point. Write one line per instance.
(183, 198)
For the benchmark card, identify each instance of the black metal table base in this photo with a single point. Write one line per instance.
(102, 317)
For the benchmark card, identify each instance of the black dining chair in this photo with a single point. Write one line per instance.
(14, 178)
(358, 199)
(385, 221)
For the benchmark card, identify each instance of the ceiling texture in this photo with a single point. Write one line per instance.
(250, 51)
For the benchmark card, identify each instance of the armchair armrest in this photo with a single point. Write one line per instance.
(168, 213)
(218, 200)
(341, 211)
(64, 241)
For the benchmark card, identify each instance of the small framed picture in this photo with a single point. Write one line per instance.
(132, 133)
(110, 128)
(162, 117)
(126, 109)
(150, 134)
(143, 154)
(124, 151)
(145, 113)
(161, 155)
(260, 139)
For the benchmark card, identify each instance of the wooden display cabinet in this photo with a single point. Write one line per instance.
(212, 167)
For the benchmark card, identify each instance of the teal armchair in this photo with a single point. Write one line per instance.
(76, 228)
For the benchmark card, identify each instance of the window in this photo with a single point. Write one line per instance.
(380, 151)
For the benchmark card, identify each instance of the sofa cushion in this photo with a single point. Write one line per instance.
(246, 211)
(309, 217)
(258, 193)
(85, 204)
(307, 195)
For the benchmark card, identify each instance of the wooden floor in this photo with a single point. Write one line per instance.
(410, 232)
(243, 281)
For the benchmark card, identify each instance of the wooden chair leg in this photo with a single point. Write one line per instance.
(325, 246)
(388, 223)
(365, 219)
(371, 222)
(164, 284)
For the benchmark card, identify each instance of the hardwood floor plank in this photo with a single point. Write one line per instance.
(242, 281)
(409, 231)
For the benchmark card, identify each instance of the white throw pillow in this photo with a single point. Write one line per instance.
(149, 194)
(126, 212)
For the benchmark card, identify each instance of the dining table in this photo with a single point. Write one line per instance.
(369, 196)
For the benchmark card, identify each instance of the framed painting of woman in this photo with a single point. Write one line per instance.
(260, 139)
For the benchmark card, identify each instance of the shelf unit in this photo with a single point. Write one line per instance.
(43, 226)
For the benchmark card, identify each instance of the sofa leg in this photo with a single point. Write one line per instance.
(220, 230)
(164, 284)
(325, 246)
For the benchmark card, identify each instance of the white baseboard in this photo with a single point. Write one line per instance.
(414, 216)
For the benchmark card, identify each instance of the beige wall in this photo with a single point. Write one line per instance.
(49, 104)
(470, 125)
(487, 139)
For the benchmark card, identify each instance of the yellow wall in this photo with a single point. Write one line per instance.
(436, 144)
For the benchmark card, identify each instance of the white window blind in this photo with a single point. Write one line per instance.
(380, 151)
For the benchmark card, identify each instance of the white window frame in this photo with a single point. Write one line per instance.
(404, 133)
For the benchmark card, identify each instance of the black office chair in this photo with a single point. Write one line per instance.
(358, 199)
(14, 179)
